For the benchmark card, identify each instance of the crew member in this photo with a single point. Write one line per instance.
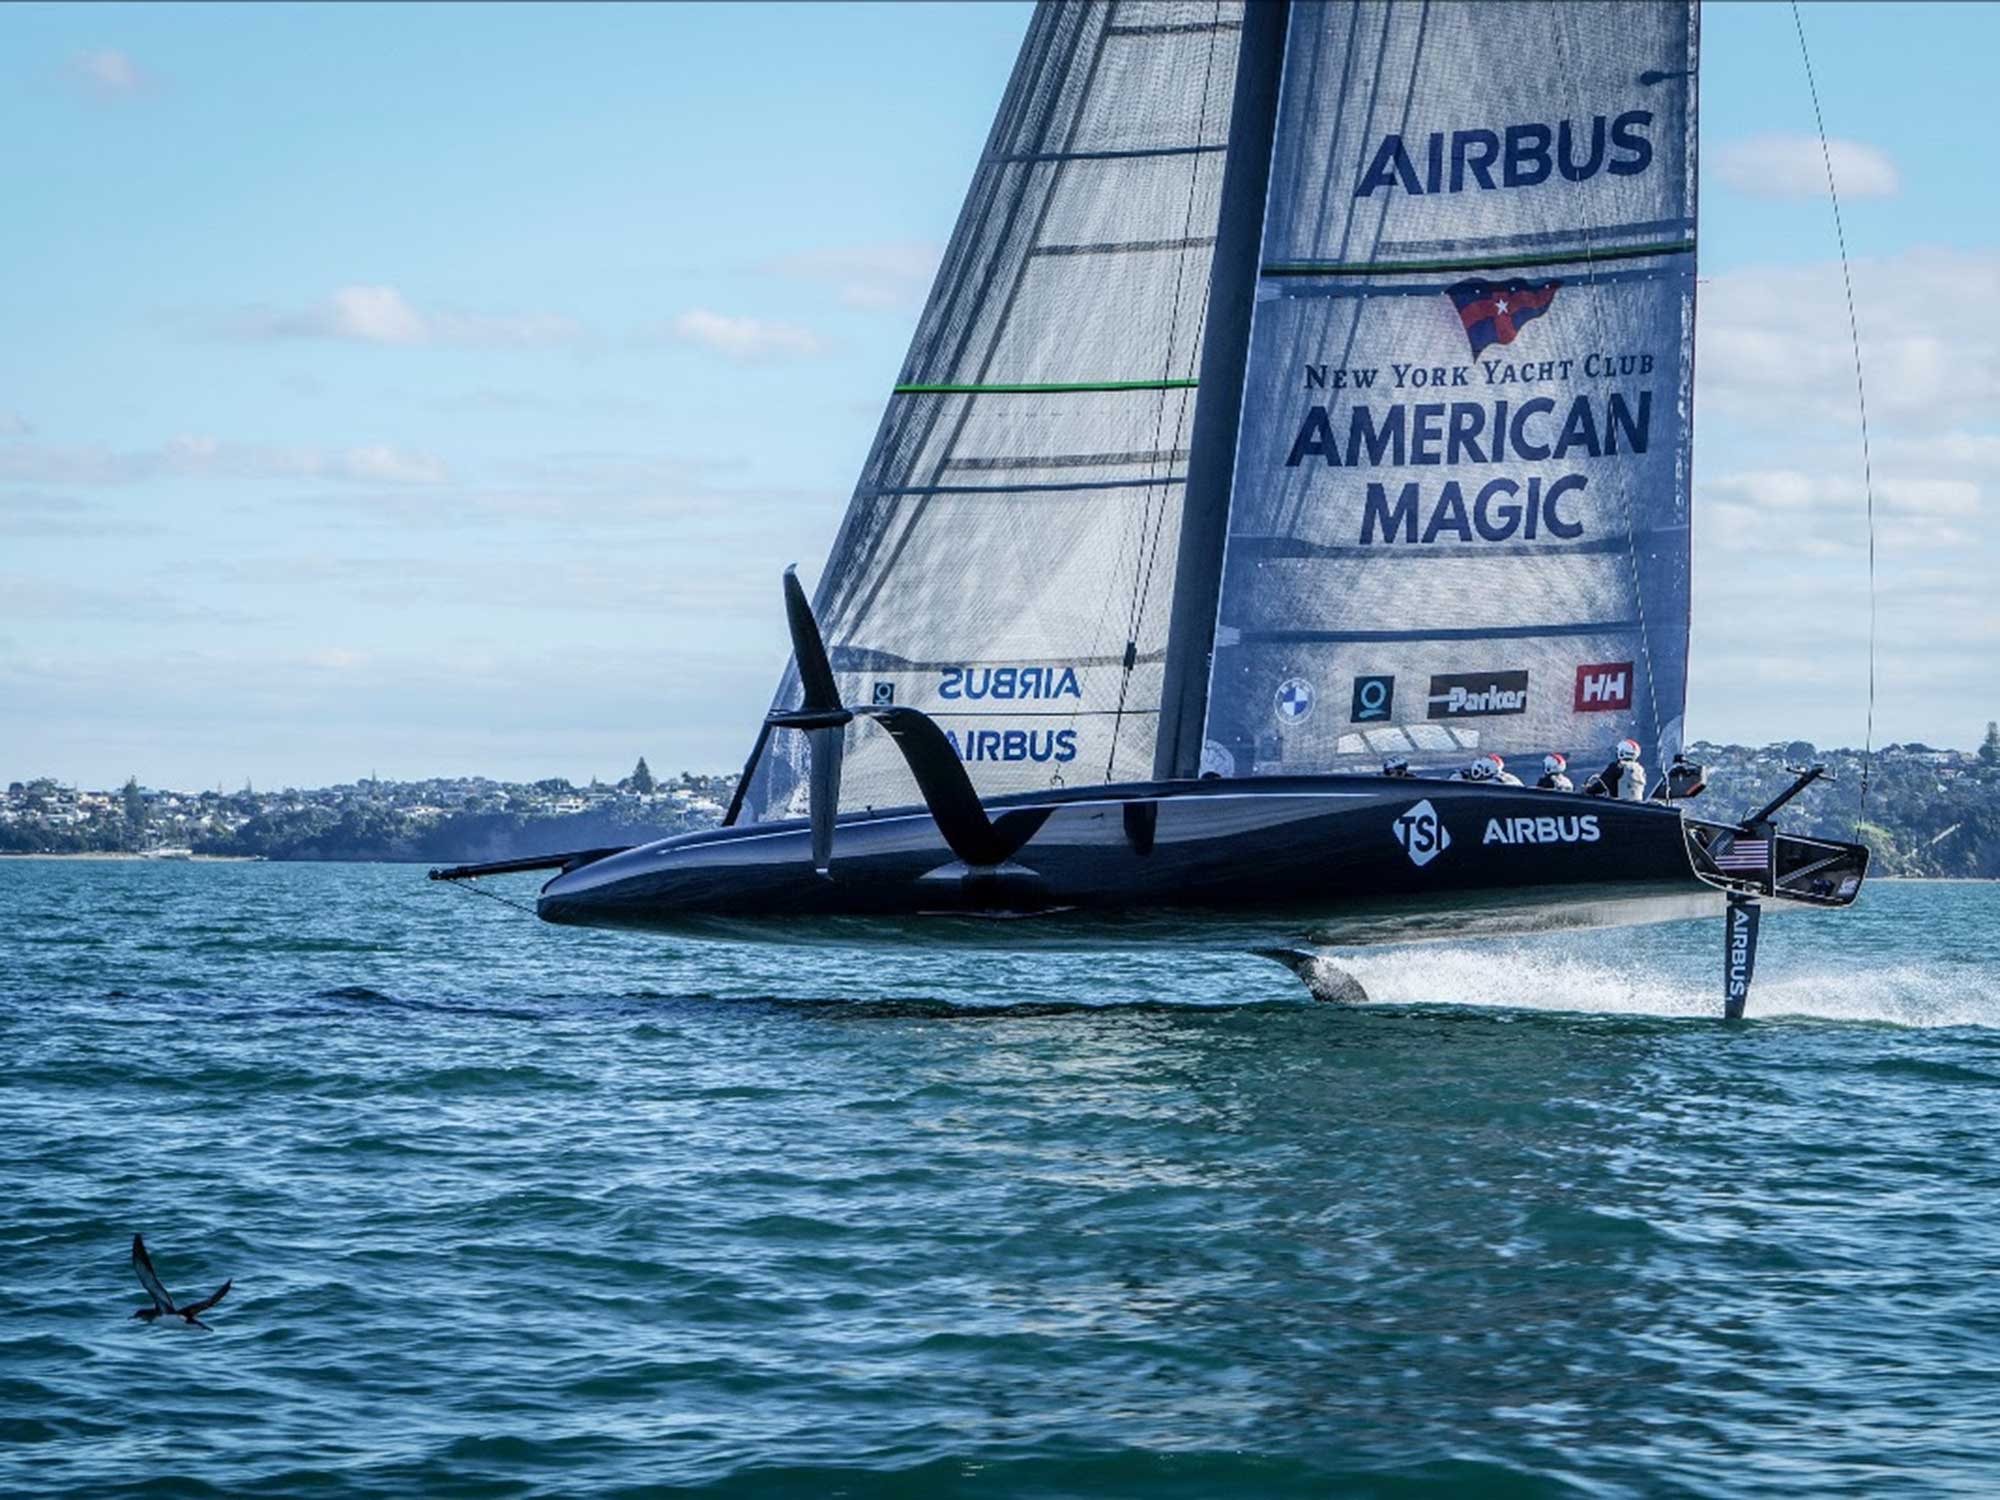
(1488, 768)
(1555, 774)
(1396, 765)
(1624, 778)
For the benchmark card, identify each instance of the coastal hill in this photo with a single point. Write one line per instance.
(1928, 811)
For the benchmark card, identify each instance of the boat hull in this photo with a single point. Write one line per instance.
(1322, 861)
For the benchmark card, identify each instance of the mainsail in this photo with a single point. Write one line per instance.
(1438, 498)
(1007, 560)
(1460, 508)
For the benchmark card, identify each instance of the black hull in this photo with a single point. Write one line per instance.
(1323, 861)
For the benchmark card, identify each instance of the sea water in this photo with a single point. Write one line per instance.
(514, 1210)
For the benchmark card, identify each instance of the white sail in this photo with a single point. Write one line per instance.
(1007, 559)
(1460, 508)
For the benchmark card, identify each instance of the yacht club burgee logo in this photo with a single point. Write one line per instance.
(1493, 311)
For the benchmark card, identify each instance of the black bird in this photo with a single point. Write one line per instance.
(163, 1303)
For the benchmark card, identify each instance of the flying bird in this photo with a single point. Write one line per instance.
(163, 1302)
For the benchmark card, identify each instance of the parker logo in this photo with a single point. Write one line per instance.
(1374, 700)
(1579, 830)
(1603, 686)
(1478, 695)
(1422, 834)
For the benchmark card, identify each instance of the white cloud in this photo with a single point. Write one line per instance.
(380, 463)
(109, 73)
(13, 424)
(1773, 347)
(30, 595)
(374, 315)
(1792, 166)
(26, 513)
(746, 339)
(201, 457)
(383, 315)
(1780, 536)
(891, 275)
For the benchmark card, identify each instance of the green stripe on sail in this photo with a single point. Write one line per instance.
(1023, 388)
(1477, 263)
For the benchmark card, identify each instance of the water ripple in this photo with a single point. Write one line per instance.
(521, 1212)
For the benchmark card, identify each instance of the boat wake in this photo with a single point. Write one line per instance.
(1528, 976)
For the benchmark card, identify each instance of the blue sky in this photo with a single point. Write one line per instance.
(442, 389)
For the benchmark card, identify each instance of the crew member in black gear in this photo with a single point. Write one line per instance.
(1624, 779)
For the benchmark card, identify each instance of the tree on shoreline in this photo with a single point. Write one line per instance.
(135, 809)
(641, 779)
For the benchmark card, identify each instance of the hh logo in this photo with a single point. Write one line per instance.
(1603, 686)
(1422, 834)
(1374, 700)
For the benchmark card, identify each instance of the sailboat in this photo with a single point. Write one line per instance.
(1304, 388)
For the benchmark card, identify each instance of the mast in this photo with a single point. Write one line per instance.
(1232, 288)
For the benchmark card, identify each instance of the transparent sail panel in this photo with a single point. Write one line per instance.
(1460, 515)
(1006, 561)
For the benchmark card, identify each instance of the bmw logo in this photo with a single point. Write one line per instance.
(1295, 700)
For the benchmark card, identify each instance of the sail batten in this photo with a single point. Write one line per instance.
(1043, 388)
(1478, 263)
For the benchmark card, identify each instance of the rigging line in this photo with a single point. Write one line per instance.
(1154, 514)
(1861, 403)
(1590, 259)
(473, 889)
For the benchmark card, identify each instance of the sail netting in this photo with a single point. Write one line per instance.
(1006, 560)
(1460, 513)
(1009, 555)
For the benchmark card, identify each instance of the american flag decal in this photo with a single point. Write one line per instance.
(1745, 854)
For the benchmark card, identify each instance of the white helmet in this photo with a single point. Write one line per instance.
(1553, 764)
(1628, 749)
(1483, 769)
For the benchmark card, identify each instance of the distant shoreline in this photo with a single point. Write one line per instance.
(143, 859)
(1938, 879)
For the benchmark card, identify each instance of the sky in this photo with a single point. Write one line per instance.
(413, 391)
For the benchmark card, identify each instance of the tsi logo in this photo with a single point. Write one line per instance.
(1603, 686)
(1422, 834)
(1374, 700)
(1476, 695)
